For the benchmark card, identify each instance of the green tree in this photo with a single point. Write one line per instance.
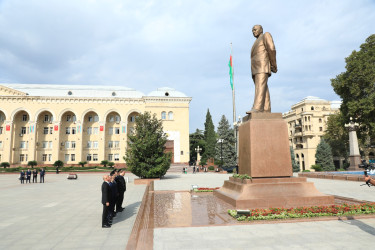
(356, 88)
(295, 164)
(225, 132)
(5, 164)
(104, 163)
(57, 164)
(336, 135)
(82, 163)
(323, 156)
(196, 139)
(209, 138)
(111, 164)
(32, 164)
(145, 154)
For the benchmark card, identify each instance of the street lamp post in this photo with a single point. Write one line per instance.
(221, 151)
(198, 150)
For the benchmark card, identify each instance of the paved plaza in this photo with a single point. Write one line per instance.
(66, 214)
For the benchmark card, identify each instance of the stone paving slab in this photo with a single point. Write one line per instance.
(62, 214)
(342, 234)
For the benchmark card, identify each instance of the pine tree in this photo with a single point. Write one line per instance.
(145, 153)
(323, 156)
(295, 164)
(209, 137)
(225, 132)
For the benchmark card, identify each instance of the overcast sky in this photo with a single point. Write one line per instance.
(184, 45)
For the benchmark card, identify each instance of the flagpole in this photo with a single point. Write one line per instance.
(233, 94)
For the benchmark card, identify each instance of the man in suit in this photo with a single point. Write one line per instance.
(106, 197)
(42, 173)
(121, 187)
(35, 175)
(22, 177)
(263, 62)
(28, 176)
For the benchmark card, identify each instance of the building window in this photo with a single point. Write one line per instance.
(312, 108)
(1, 130)
(320, 128)
(74, 118)
(51, 130)
(68, 118)
(110, 144)
(74, 130)
(44, 157)
(89, 143)
(72, 157)
(22, 157)
(46, 118)
(2, 118)
(23, 130)
(182, 152)
(88, 157)
(117, 144)
(45, 130)
(96, 118)
(96, 130)
(117, 118)
(66, 157)
(44, 144)
(1, 144)
(132, 118)
(50, 144)
(95, 144)
(110, 157)
(89, 130)
(24, 144)
(170, 115)
(50, 157)
(95, 157)
(117, 157)
(111, 118)
(305, 118)
(90, 118)
(67, 130)
(24, 118)
(67, 144)
(73, 144)
(110, 131)
(320, 120)
(163, 115)
(117, 131)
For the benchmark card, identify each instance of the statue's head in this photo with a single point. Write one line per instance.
(257, 30)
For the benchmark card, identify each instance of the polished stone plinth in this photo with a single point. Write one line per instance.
(272, 192)
(264, 146)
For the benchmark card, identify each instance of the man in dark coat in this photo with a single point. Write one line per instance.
(28, 176)
(35, 175)
(114, 197)
(121, 187)
(42, 173)
(106, 196)
(22, 177)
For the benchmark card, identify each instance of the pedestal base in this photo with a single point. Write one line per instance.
(354, 161)
(272, 192)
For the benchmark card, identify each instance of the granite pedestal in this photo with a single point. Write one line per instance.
(264, 155)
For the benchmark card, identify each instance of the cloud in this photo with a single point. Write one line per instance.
(182, 44)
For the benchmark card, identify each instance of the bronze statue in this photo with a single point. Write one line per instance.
(263, 62)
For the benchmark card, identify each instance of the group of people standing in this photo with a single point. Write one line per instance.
(113, 189)
(27, 175)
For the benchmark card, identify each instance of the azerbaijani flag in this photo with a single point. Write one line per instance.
(230, 64)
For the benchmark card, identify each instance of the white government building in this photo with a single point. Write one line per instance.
(90, 123)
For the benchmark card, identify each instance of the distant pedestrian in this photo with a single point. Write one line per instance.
(28, 176)
(35, 176)
(42, 173)
(193, 169)
(22, 177)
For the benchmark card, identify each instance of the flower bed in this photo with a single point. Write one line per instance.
(303, 212)
(201, 190)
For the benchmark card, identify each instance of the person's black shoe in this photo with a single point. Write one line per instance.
(114, 215)
(106, 226)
